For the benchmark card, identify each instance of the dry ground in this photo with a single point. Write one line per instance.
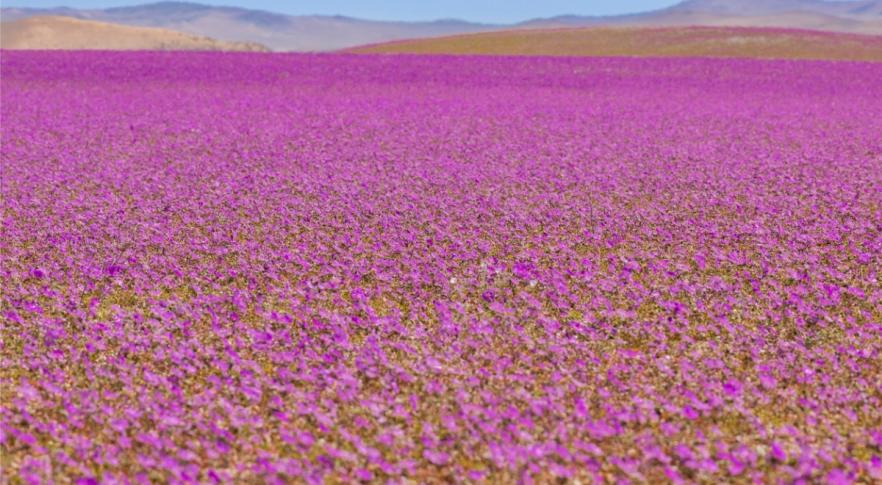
(657, 41)
(52, 32)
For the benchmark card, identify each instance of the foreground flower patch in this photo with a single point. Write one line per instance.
(249, 267)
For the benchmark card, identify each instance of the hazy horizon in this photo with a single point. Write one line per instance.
(486, 11)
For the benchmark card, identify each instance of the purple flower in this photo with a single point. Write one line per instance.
(838, 477)
(272, 275)
(732, 387)
(436, 457)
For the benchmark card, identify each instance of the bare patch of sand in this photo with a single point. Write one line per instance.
(55, 32)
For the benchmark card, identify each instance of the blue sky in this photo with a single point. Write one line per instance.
(474, 10)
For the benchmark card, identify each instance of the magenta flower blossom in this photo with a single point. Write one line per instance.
(274, 268)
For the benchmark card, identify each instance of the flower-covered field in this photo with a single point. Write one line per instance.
(337, 268)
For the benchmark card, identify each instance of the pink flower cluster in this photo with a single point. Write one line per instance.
(269, 268)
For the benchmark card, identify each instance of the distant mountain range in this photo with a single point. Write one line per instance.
(322, 33)
(858, 16)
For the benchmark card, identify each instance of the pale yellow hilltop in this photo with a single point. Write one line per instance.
(53, 32)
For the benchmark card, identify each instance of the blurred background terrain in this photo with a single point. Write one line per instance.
(664, 31)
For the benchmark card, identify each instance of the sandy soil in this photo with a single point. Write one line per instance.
(51, 32)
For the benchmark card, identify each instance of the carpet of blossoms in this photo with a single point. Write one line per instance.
(268, 268)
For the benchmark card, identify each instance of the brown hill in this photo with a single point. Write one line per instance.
(649, 41)
(55, 32)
